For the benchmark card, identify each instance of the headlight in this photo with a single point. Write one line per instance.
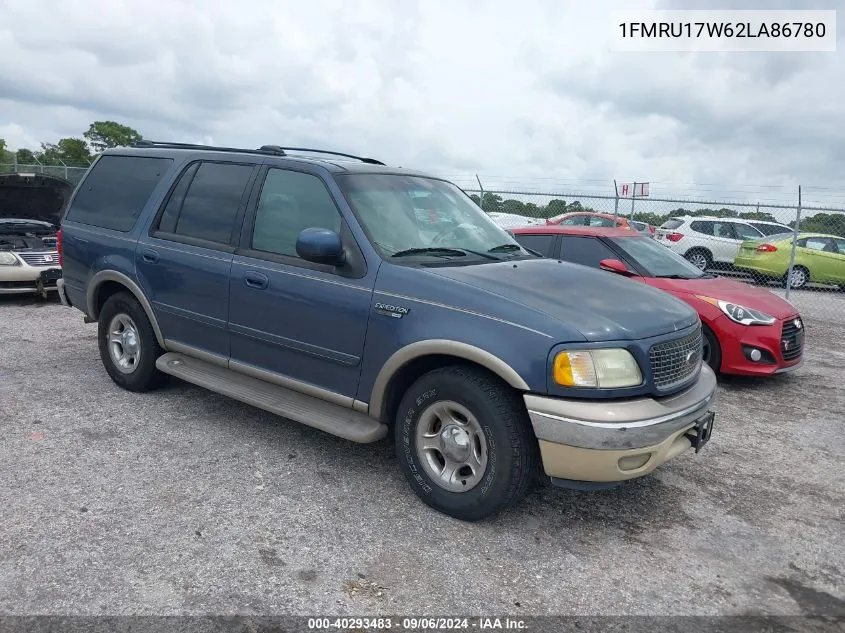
(740, 314)
(602, 368)
(8, 259)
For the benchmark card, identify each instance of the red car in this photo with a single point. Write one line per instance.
(748, 330)
(591, 219)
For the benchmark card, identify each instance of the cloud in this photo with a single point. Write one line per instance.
(527, 94)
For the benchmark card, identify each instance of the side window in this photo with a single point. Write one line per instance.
(575, 220)
(212, 201)
(746, 232)
(595, 220)
(167, 221)
(588, 251)
(542, 244)
(113, 195)
(290, 202)
(840, 246)
(724, 229)
(815, 243)
(702, 226)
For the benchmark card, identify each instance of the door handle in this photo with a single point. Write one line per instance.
(149, 256)
(256, 280)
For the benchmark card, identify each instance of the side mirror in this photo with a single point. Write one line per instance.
(321, 246)
(615, 266)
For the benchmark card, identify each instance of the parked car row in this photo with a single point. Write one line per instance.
(762, 249)
(355, 298)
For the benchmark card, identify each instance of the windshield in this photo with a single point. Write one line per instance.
(424, 217)
(656, 259)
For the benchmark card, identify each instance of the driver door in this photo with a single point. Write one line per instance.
(294, 319)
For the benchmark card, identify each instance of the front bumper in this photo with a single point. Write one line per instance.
(737, 341)
(604, 441)
(26, 279)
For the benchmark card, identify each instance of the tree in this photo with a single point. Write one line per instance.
(25, 157)
(556, 206)
(491, 202)
(513, 206)
(103, 135)
(830, 223)
(68, 151)
(475, 198)
(6, 157)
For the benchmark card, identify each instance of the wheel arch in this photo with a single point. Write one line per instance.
(108, 282)
(410, 362)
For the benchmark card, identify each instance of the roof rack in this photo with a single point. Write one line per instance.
(168, 145)
(277, 148)
(270, 150)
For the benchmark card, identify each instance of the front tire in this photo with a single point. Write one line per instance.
(128, 345)
(712, 352)
(465, 443)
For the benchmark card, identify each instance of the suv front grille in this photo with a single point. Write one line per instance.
(792, 339)
(40, 259)
(674, 362)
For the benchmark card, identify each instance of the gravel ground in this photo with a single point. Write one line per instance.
(185, 502)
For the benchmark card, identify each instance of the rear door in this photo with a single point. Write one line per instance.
(183, 263)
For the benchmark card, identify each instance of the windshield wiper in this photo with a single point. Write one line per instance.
(430, 250)
(504, 248)
(443, 251)
(674, 277)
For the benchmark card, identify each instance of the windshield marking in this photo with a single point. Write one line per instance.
(465, 311)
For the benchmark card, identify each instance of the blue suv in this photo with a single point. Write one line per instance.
(361, 299)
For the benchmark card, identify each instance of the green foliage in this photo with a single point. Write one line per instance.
(71, 151)
(830, 223)
(68, 151)
(102, 135)
(25, 157)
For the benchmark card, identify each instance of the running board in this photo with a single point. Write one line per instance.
(319, 414)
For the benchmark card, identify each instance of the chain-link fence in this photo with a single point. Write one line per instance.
(71, 173)
(761, 244)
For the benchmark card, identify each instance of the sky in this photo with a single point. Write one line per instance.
(527, 94)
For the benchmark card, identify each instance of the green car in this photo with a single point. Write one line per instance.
(818, 258)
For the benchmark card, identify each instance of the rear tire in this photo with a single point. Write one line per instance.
(128, 345)
(700, 258)
(712, 350)
(800, 278)
(465, 443)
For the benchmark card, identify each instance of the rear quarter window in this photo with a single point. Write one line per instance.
(113, 195)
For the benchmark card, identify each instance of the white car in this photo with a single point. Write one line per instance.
(513, 220)
(705, 241)
(29, 261)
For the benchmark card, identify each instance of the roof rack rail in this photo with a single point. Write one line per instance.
(271, 150)
(267, 149)
(277, 148)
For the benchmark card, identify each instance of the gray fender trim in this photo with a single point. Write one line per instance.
(112, 275)
(439, 346)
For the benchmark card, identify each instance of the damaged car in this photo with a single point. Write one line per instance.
(30, 207)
